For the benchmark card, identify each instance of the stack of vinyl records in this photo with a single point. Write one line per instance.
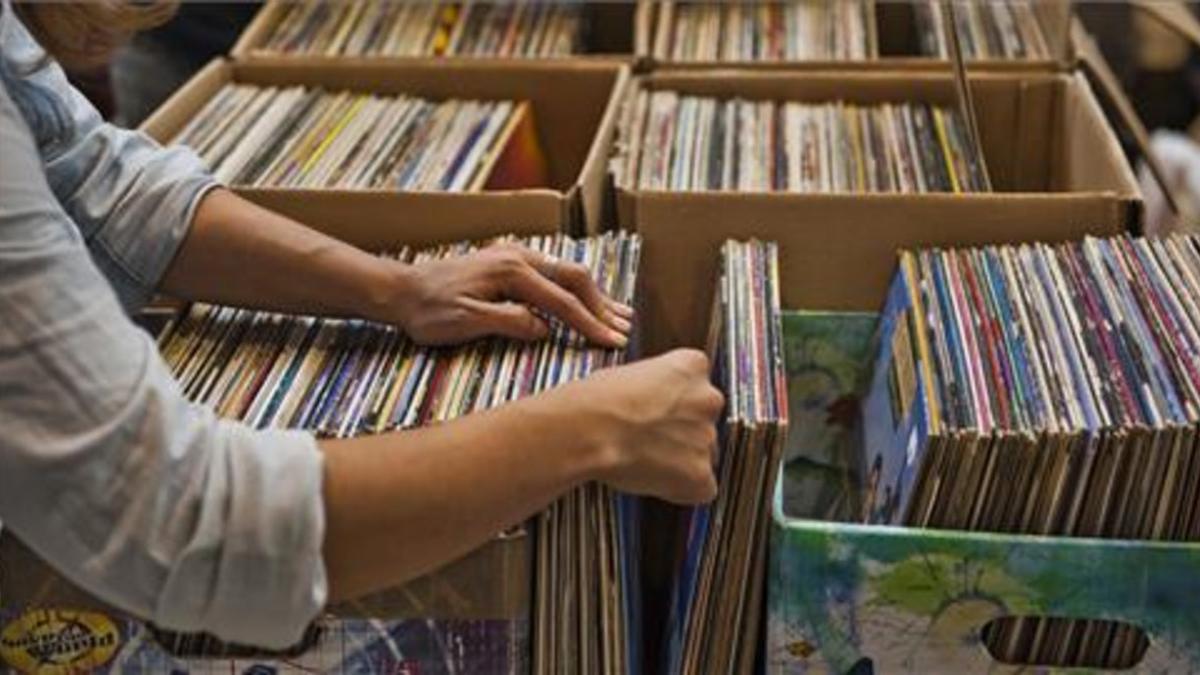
(312, 138)
(679, 142)
(1041, 389)
(586, 614)
(340, 378)
(996, 29)
(376, 28)
(716, 603)
(794, 30)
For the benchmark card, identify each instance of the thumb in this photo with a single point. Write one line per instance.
(511, 320)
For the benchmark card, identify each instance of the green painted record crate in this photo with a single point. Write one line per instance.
(851, 598)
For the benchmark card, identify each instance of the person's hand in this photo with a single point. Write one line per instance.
(656, 425)
(494, 291)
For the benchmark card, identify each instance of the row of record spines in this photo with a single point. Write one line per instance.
(310, 137)
(1099, 352)
(1144, 310)
(1005, 30)
(397, 29)
(712, 610)
(582, 586)
(253, 380)
(725, 31)
(1002, 30)
(885, 147)
(754, 335)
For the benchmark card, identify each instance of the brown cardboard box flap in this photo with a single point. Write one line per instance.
(593, 179)
(837, 251)
(256, 31)
(1176, 16)
(1097, 68)
(379, 220)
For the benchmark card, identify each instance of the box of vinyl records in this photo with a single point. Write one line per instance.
(910, 34)
(338, 378)
(397, 30)
(1017, 428)
(413, 144)
(866, 177)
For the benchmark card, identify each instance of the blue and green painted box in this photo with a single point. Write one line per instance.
(850, 598)
(470, 617)
(67, 642)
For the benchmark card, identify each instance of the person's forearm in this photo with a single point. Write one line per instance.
(241, 254)
(399, 505)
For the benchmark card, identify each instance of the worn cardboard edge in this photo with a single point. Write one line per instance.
(1121, 213)
(1110, 145)
(591, 184)
(258, 58)
(170, 117)
(1096, 69)
(631, 202)
(470, 65)
(898, 63)
(1175, 16)
(1054, 18)
(384, 220)
(962, 85)
(256, 31)
(851, 84)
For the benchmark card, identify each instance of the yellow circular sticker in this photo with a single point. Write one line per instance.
(58, 642)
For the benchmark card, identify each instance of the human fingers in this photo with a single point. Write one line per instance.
(697, 484)
(577, 279)
(506, 319)
(688, 361)
(530, 286)
(619, 308)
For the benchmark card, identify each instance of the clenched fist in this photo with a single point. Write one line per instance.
(656, 425)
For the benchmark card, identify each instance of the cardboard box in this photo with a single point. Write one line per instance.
(1059, 171)
(608, 32)
(896, 36)
(842, 596)
(573, 108)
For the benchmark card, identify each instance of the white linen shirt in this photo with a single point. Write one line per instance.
(106, 471)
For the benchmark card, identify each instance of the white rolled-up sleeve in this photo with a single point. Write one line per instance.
(131, 199)
(137, 495)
